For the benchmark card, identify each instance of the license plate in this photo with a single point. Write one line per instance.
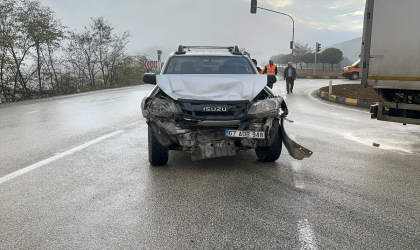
(246, 134)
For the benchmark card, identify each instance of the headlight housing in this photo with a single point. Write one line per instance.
(162, 106)
(267, 106)
(262, 107)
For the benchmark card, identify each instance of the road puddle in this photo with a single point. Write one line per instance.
(298, 178)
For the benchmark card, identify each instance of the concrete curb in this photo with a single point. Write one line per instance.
(323, 77)
(344, 100)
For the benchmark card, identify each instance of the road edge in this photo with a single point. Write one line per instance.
(345, 100)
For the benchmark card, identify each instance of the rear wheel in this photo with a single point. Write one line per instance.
(270, 153)
(354, 76)
(158, 154)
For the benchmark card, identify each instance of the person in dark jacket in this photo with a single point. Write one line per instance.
(258, 68)
(290, 77)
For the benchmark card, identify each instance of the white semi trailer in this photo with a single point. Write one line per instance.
(390, 59)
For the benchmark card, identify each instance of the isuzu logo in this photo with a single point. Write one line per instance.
(215, 109)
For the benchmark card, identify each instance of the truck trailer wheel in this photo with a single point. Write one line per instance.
(354, 76)
(270, 153)
(158, 154)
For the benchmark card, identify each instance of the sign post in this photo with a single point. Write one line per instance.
(159, 52)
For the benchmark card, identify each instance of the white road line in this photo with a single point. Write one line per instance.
(307, 94)
(56, 157)
(36, 111)
(306, 235)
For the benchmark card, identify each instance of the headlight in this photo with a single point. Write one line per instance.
(164, 107)
(263, 107)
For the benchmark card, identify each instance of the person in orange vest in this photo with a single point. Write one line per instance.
(258, 68)
(270, 68)
(290, 76)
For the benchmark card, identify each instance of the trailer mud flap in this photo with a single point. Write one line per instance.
(295, 150)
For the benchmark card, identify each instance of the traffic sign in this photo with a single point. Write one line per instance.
(152, 64)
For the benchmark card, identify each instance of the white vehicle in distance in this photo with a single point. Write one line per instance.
(211, 102)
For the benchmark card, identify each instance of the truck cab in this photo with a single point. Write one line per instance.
(352, 72)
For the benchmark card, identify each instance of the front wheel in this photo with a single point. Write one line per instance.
(158, 154)
(270, 153)
(354, 76)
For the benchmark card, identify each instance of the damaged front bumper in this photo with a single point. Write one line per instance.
(186, 126)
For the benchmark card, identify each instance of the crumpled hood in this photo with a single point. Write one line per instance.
(212, 87)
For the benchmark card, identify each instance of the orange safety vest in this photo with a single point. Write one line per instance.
(261, 71)
(271, 69)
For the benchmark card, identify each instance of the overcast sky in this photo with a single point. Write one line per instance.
(165, 24)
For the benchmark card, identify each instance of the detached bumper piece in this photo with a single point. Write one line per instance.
(295, 150)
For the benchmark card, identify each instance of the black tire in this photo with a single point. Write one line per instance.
(158, 154)
(270, 153)
(354, 76)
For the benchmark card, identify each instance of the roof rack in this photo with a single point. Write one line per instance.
(180, 50)
(233, 49)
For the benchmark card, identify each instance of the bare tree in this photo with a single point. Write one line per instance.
(80, 54)
(31, 36)
(44, 31)
(110, 48)
(16, 45)
(299, 51)
(6, 63)
(117, 54)
(97, 50)
(102, 38)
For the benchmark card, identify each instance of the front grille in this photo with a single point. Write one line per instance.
(234, 111)
(204, 114)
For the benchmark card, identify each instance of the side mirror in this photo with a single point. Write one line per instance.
(271, 79)
(149, 78)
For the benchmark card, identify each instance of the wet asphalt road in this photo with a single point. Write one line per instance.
(74, 174)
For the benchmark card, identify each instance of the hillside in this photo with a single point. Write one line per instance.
(350, 48)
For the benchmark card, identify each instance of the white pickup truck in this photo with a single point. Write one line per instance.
(390, 59)
(211, 102)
